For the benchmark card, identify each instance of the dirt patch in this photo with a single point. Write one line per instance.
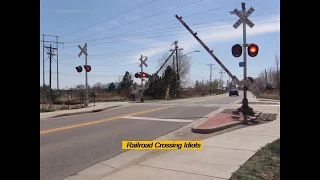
(267, 117)
(57, 107)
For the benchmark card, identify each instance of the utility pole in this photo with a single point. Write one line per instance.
(210, 65)
(174, 78)
(43, 56)
(51, 54)
(57, 44)
(43, 60)
(266, 74)
(221, 77)
(177, 71)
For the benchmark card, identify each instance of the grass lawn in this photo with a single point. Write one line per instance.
(45, 110)
(264, 165)
(268, 96)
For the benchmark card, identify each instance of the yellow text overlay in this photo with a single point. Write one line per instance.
(162, 145)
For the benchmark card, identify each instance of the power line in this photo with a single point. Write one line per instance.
(182, 42)
(110, 18)
(169, 29)
(172, 34)
(142, 19)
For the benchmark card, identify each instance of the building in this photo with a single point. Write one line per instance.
(110, 87)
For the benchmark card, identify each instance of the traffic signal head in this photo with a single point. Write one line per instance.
(87, 68)
(79, 69)
(137, 75)
(253, 50)
(236, 50)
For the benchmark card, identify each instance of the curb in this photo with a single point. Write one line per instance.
(224, 126)
(84, 112)
(215, 129)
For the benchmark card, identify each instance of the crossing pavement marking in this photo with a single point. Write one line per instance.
(158, 119)
(100, 121)
(191, 102)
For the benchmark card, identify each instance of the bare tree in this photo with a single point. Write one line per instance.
(97, 87)
(277, 62)
(183, 62)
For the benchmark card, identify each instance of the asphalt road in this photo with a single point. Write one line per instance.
(72, 143)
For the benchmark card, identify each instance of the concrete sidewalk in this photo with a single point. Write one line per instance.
(220, 157)
(100, 106)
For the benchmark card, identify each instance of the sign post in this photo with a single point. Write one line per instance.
(243, 19)
(143, 60)
(85, 52)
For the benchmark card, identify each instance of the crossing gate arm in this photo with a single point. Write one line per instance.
(234, 78)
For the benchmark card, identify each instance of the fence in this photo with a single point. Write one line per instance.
(69, 99)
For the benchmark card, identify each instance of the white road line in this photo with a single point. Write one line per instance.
(157, 119)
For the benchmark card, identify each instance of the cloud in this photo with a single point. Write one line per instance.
(150, 52)
(223, 33)
(136, 17)
(114, 22)
(99, 29)
(66, 10)
(188, 42)
(261, 27)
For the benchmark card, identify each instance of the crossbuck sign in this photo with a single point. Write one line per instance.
(143, 62)
(243, 17)
(83, 50)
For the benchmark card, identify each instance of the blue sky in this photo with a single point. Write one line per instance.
(117, 36)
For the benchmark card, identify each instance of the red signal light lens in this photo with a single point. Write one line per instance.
(253, 50)
(87, 68)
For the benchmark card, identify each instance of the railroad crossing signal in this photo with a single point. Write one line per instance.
(141, 75)
(79, 69)
(243, 17)
(87, 68)
(236, 50)
(253, 50)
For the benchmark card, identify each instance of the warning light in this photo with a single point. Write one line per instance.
(236, 50)
(253, 50)
(137, 75)
(143, 75)
(87, 68)
(79, 69)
